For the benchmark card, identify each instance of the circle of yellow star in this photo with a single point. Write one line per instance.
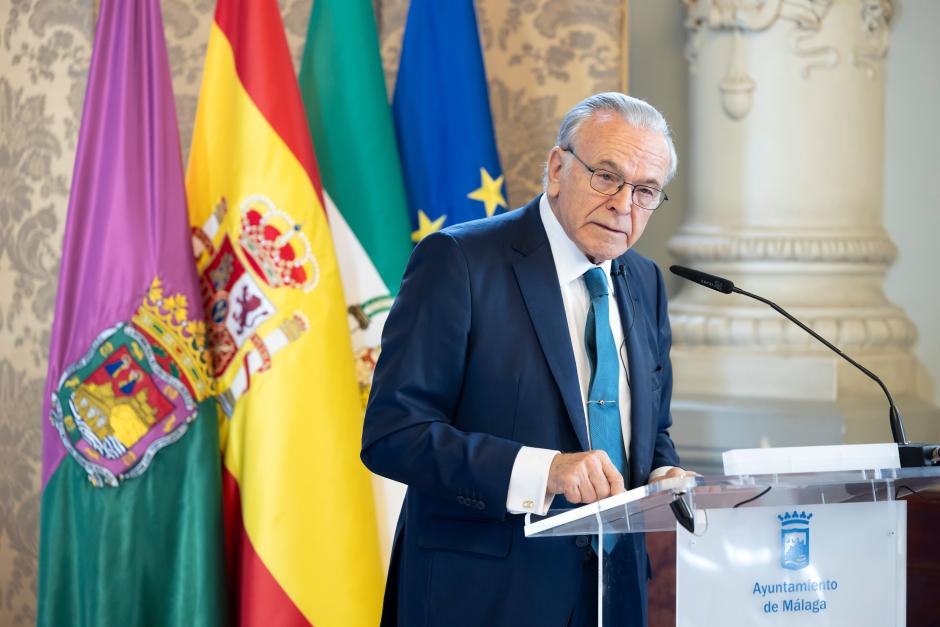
(489, 192)
(426, 226)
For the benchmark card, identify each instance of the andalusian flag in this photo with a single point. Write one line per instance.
(347, 107)
(442, 119)
(300, 522)
(351, 123)
(131, 527)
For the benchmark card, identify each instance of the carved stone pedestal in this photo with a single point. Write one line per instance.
(786, 188)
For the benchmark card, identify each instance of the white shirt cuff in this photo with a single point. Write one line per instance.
(528, 483)
(659, 472)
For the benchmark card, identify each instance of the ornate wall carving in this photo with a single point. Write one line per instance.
(805, 39)
(874, 249)
(542, 56)
(885, 328)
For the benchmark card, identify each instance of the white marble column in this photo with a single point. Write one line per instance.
(786, 175)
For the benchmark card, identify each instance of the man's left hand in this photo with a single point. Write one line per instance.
(675, 472)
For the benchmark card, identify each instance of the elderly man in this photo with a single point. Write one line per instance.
(526, 364)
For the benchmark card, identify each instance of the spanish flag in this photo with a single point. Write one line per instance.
(300, 523)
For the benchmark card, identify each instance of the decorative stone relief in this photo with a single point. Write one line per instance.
(876, 14)
(867, 329)
(737, 86)
(875, 249)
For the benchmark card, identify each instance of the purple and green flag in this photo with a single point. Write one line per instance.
(131, 526)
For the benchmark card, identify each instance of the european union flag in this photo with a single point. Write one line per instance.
(442, 119)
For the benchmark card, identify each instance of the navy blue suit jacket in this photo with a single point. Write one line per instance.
(476, 362)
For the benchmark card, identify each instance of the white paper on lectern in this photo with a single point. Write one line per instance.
(767, 461)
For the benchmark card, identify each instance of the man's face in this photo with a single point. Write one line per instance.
(604, 227)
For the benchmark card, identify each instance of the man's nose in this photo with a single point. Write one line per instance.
(622, 201)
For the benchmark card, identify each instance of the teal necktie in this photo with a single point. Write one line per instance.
(603, 406)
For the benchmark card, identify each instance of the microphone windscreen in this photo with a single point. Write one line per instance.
(716, 283)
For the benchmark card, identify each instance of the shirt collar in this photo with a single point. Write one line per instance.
(570, 262)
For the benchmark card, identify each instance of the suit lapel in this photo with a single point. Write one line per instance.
(639, 359)
(538, 281)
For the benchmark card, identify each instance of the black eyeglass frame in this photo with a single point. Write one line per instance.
(623, 182)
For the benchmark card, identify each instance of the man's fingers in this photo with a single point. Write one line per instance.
(614, 478)
(597, 475)
(588, 493)
(584, 477)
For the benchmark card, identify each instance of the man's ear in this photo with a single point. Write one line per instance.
(555, 165)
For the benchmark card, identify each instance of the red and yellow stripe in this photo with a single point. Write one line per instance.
(300, 523)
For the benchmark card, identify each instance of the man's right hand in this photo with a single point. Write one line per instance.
(584, 477)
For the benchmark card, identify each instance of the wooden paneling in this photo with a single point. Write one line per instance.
(662, 589)
(923, 559)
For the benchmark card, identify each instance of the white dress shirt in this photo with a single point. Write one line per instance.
(528, 483)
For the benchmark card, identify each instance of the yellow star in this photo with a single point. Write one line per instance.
(489, 192)
(426, 226)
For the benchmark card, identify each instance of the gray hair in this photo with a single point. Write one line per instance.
(638, 114)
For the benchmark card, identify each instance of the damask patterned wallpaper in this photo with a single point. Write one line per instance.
(542, 56)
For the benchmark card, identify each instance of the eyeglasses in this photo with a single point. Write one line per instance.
(610, 183)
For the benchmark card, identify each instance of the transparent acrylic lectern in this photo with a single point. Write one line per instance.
(824, 548)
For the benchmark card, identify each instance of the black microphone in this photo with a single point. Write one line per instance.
(708, 280)
(912, 455)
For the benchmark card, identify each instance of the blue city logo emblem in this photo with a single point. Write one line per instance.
(794, 540)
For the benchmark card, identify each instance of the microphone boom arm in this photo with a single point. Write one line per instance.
(911, 455)
(897, 427)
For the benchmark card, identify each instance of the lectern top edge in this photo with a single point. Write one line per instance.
(635, 510)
